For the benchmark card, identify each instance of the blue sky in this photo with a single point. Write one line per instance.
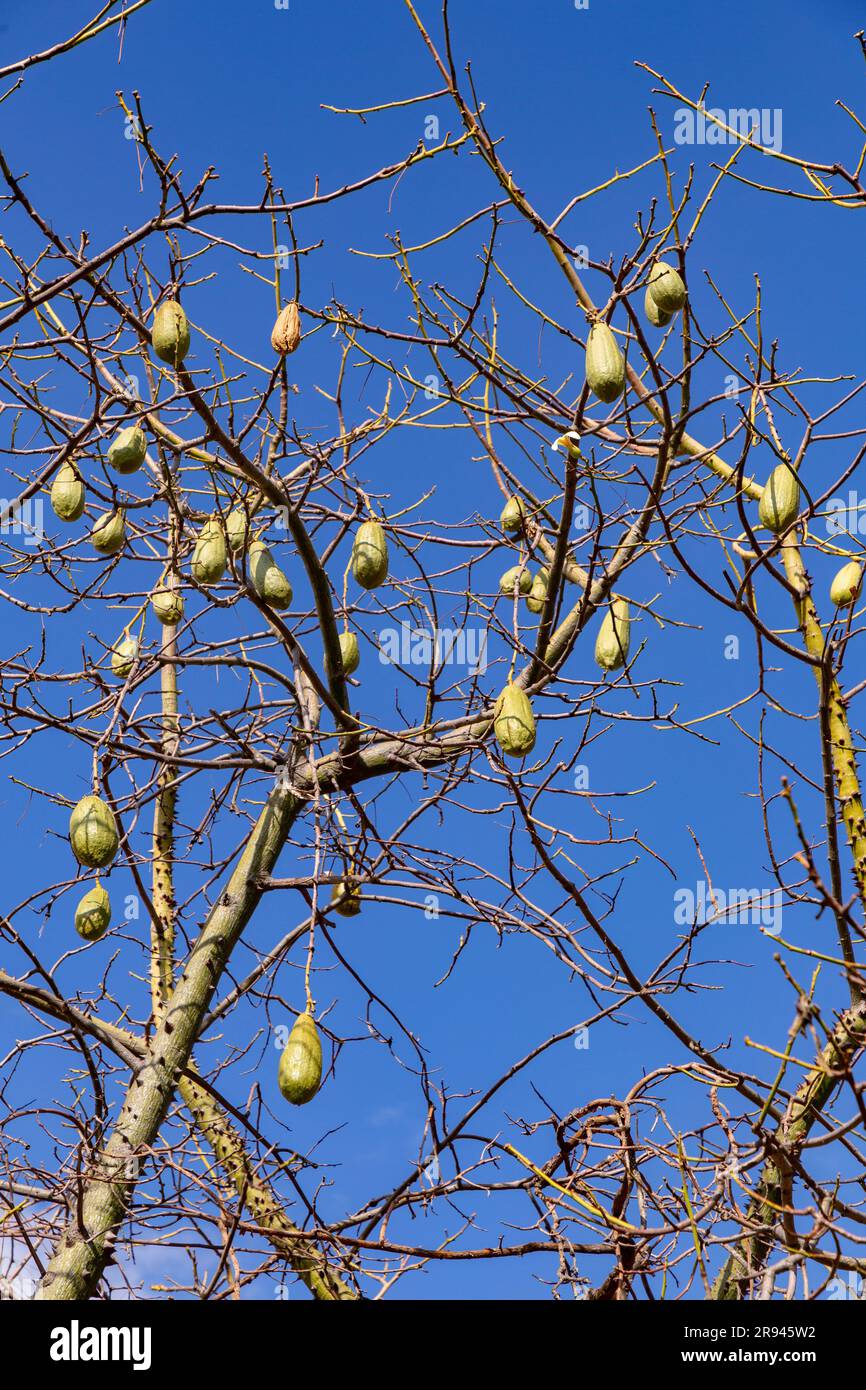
(222, 84)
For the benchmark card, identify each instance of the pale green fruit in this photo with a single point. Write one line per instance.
(517, 575)
(170, 333)
(614, 636)
(300, 1073)
(666, 288)
(605, 364)
(537, 595)
(93, 914)
(350, 653)
(67, 494)
(780, 500)
(109, 533)
(657, 317)
(93, 833)
(846, 585)
(237, 528)
(513, 513)
(128, 450)
(346, 897)
(167, 605)
(370, 555)
(514, 722)
(268, 580)
(209, 557)
(123, 656)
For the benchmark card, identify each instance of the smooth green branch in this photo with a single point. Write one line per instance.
(86, 1245)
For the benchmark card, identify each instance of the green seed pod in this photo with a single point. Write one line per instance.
(537, 595)
(93, 833)
(67, 494)
(109, 533)
(346, 897)
(780, 500)
(128, 450)
(657, 317)
(350, 653)
(209, 557)
(167, 605)
(512, 516)
(666, 288)
(514, 722)
(518, 575)
(614, 636)
(300, 1074)
(267, 578)
(605, 364)
(370, 555)
(287, 330)
(93, 914)
(237, 529)
(123, 656)
(170, 333)
(846, 585)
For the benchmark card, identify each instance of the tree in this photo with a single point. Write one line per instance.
(206, 664)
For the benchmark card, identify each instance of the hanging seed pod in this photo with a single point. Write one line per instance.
(605, 364)
(346, 897)
(170, 333)
(350, 653)
(109, 533)
(93, 833)
(209, 557)
(666, 288)
(846, 585)
(93, 914)
(657, 317)
(513, 514)
(514, 722)
(128, 450)
(123, 656)
(537, 595)
(300, 1074)
(167, 605)
(614, 636)
(370, 555)
(518, 575)
(237, 529)
(287, 330)
(780, 500)
(67, 494)
(267, 578)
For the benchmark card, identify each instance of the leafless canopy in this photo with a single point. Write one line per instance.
(145, 1142)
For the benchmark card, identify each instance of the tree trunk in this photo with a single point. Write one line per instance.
(87, 1243)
